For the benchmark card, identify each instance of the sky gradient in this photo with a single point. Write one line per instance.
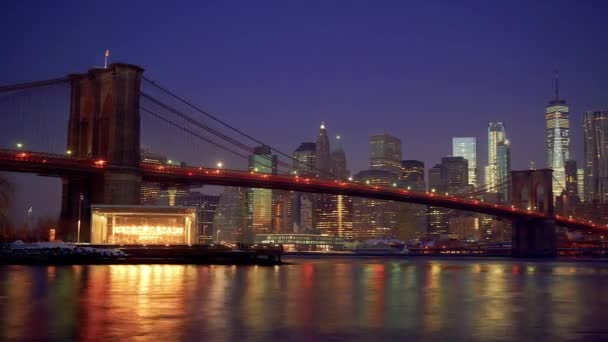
(422, 71)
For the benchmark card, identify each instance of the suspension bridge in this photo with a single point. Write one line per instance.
(111, 113)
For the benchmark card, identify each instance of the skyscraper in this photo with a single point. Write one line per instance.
(323, 157)
(467, 148)
(339, 166)
(412, 175)
(260, 201)
(571, 178)
(206, 207)
(411, 218)
(303, 204)
(580, 183)
(503, 170)
(334, 212)
(557, 135)
(454, 175)
(374, 218)
(595, 125)
(230, 220)
(385, 153)
(305, 159)
(496, 134)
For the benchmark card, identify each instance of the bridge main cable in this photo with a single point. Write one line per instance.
(22, 86)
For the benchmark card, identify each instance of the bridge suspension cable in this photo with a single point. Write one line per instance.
(240, 132)
(206, 128)
(36, 84)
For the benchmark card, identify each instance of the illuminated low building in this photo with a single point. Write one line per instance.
(119, 224)
(302, 242)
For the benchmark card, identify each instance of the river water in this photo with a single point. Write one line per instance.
(311, 299)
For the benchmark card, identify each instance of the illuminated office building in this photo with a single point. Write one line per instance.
(557, 135)
(412, 175)
(374, 218)
(303, 204)
(206, 206)
(334, 212)
(595, 125)
(580, 183)
(467, 148)
(503, 171)
(322, 155)
(305, 159)
(385, 153)
(260, 201)
(496, 134)
(411, 218)
(230, 220)
(571, 179)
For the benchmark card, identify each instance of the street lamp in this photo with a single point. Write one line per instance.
(217, 236)
(79, 216)
(220, 164)
(19, 145)
(68, 152)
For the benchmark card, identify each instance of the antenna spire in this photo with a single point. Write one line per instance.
(556, 85)
(105, 60)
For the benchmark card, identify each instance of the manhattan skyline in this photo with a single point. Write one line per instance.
(309, 65)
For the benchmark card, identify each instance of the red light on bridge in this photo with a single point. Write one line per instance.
(21, 155)
(100, 162)
(189, 173)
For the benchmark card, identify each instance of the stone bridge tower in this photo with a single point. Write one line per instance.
(104, 123)
(533, 190)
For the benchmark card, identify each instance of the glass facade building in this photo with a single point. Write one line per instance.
(496, 134)
(143, 225)
(557, 138)
(466, 147)
(595, 125)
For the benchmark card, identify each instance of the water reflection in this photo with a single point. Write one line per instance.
(312, 299)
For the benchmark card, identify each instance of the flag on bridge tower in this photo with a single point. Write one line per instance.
(105, 63)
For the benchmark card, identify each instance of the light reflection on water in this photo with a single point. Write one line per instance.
(311, 299)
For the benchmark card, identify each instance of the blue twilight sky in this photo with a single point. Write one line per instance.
(424, 71)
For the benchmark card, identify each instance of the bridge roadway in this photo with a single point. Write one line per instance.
(62, 165)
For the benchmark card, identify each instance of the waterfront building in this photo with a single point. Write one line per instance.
(595, 125)
(136, 225)
(385, 153)
(557, 136)
(466, 147)
(230, 220)
(206, 206)
(303, 242)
